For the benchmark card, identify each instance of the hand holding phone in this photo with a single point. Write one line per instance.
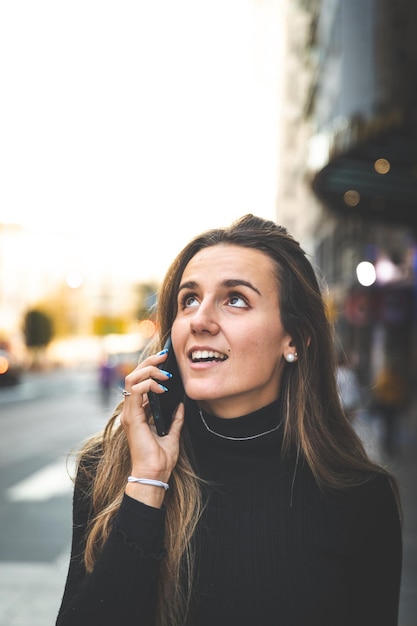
(163, 405)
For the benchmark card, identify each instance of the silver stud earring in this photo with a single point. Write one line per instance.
(290, 357)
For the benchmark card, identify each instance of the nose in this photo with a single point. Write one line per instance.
(204, 320)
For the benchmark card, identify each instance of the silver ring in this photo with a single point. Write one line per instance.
(126, 393)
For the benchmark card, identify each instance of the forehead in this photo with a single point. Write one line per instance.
(228, 261)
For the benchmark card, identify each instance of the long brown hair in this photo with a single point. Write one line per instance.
(315, 423)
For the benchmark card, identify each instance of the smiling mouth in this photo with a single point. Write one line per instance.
(203, 356)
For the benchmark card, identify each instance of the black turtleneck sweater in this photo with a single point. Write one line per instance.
(271, 548)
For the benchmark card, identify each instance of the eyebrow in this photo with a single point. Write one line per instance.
(228, 283)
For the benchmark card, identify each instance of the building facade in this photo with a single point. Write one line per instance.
(358, 158)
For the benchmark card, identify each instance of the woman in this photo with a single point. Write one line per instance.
(274, 514)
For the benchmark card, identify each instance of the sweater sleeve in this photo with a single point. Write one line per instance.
(377, 558)
(123, 585)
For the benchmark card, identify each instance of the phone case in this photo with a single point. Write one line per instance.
(163, 405)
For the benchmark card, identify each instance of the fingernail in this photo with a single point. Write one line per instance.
(167, 373)
(164, 351)
(162, 386)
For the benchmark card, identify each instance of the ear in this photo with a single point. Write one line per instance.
(292, 344)
(290, 350)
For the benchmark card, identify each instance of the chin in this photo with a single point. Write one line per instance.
(195, 392)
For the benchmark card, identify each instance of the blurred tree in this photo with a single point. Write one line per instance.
(69, 311)
(38, 331)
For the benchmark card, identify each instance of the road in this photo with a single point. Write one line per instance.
(41, 422)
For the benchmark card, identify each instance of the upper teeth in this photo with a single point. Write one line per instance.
(207, 354)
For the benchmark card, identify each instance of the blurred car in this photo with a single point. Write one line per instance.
(10, 369)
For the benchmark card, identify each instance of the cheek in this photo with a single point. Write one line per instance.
(266, 339)
(264, 350)
(177, 336)
(258, 355)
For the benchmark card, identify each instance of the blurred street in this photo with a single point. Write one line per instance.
(41, 421)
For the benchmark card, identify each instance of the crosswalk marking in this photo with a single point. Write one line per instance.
(48, 482)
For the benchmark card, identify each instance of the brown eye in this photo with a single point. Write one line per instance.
(188, 300)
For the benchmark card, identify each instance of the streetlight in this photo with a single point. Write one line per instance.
(365, 271)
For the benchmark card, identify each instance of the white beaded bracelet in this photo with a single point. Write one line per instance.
(148, 481)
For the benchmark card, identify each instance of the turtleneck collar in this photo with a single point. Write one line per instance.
(257, 429)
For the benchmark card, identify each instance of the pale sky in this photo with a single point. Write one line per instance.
(135, 125)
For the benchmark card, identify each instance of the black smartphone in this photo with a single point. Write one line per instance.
(163, 405)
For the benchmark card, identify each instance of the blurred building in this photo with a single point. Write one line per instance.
(349, 167)
(297, 207)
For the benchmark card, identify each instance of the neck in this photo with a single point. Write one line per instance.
(238, 438)
(233, 409)
(257, 426)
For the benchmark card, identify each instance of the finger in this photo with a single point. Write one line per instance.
(136, 405)
(153, 359)
(151, 372)
(177, 421)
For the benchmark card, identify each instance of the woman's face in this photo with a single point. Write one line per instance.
(227, 335)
